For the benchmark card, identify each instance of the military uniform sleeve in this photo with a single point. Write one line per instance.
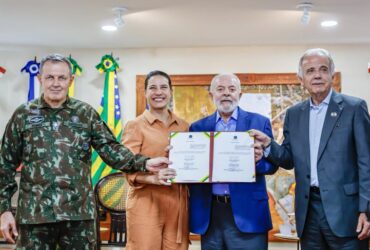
(10, 159)
(111, 151)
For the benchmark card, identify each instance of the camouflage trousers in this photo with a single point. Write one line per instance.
(78, 235)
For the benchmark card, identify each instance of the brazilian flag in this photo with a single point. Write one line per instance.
(109, 111)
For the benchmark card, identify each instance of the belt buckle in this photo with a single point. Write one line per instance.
(222, 198)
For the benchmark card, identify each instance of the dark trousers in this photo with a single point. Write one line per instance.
(223, 234)
(79, 235)
(317, 234)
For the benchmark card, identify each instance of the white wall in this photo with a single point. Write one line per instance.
(351, 61)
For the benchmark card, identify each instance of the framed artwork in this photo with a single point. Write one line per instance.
(191, 101)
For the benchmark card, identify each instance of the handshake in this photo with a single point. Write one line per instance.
(159, 171)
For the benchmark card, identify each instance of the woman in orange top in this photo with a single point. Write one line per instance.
(157, 212)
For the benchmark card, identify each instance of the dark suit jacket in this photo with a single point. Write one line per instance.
(249, 201)
(343, 161)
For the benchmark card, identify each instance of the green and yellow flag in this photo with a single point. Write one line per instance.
(109, 111)
(76, 70)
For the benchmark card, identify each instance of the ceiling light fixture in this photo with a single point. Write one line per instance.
(118, 21)
(329, 23)
(305, 7)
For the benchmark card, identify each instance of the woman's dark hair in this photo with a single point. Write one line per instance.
(157, 73)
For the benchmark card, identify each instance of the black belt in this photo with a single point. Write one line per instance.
(315, 189)
(221, 198)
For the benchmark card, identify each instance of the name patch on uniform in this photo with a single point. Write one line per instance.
(36, 119)
(35, 111)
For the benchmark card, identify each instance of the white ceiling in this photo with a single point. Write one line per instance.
(180, 23)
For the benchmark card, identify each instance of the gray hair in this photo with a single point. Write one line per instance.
(55, 58)
(316, 52)
(215, 79)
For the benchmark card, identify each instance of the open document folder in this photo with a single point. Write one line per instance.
(212, 157)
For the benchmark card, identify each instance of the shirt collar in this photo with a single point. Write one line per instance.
(43, 104)
(151, 118)
(325, 101)
(233, 116)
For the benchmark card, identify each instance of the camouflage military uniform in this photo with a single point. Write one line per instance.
(77, 235)
(55, 147)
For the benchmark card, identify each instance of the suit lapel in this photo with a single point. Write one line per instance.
(243, 123)
(332, 115)
(304, 122)
(210, 123)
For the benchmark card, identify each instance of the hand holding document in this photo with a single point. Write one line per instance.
(212, 157)
(233, 157)
(190, 156)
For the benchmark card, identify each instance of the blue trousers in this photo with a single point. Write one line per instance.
(317, 234)
(223, 234)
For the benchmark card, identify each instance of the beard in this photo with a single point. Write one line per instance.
(228, 108)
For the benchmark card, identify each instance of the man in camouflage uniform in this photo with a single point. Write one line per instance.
(52, 136)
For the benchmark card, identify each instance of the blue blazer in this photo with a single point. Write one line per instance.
(249, 201)
(343, 163)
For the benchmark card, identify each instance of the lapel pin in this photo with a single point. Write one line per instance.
(333, 114)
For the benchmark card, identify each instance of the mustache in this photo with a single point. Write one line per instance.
(226, 99)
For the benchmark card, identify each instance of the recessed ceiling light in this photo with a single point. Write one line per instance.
(109, 28)
(329, 23)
